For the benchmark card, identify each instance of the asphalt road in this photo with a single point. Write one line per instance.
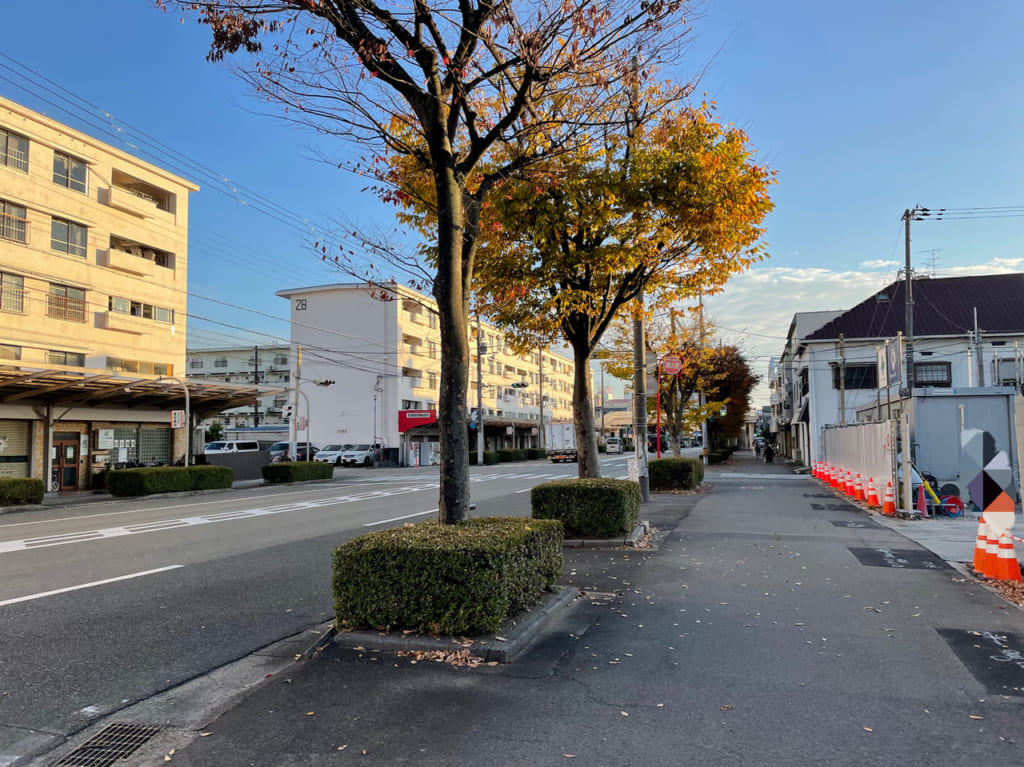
(103, 605)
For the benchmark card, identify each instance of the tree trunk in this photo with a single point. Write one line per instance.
(450, 294)
(583, 416)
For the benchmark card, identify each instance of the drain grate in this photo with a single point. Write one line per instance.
(105, 748)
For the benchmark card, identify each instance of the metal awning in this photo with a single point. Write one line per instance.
(66, 386)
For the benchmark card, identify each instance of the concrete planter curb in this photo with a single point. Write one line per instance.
(642, 528)
(502, 647)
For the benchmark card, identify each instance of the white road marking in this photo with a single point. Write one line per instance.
(399, 519)
(87, 585)
(523, 491)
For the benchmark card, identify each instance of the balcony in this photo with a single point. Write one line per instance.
(13, 300)
(134, 202)
(14, 228)
(129, 263)
(124, 323)
(64, 308)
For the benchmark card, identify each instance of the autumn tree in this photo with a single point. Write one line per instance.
(668, 207)
(732, 383)
(455, 87)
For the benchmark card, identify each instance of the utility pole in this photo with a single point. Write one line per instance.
(603, 438)
(481, 350)
(977, 350)
(700, 394)
(908, 277)
(842, 380)
(256, 382)
(640, 400)
(540, 377)
(293, 431)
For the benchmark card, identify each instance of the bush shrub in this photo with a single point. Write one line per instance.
(296, 471)
(535, 452)
(446, 579)
(19, 491)
(715, 457)
(507, 455)
(490, 457)
(147, 481)
(210, 477)
(592, 508)
(675, 473)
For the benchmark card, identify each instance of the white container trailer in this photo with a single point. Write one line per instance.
(560, 442)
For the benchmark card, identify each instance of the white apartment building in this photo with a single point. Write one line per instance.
(93, 280)
(255, 365)
(380, 347)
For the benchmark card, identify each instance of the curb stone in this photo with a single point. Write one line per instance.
(502, 647)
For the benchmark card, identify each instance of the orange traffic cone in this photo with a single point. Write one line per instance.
(979, 547)
(833, 478)
(814, 469)
(842, 481)
(991, 553)
(1007, 566)
(889, 502)
(849, 484)
(872, 494)
(858, 488)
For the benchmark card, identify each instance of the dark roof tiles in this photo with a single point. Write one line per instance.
(942, 307)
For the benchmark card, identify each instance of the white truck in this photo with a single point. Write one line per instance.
(560, 442)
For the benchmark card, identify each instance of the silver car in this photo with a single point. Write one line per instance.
(332, 454)
(359, 454)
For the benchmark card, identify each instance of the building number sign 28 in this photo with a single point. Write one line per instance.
(300, 304)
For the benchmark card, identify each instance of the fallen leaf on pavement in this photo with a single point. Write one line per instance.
(976, 717)
(868, 729)
(624, 713)
(342, 748)
(726, 708)
(309, 713)
(569, 756)
(205, 734)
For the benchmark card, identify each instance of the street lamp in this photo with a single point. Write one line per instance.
(188, 415)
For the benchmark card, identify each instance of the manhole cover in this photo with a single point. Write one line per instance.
(909, 559)
(864, 523)
(995, 658)
(842, 507)
(111, 744)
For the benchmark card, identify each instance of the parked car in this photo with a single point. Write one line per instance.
(359, 454)
(232, 446)
(332, 454)
(613, 445)
(278, 451)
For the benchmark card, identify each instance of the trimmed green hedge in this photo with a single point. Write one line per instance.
(297, 471)
(535, 452)
(591, 508)
(491, 457)
(508, 455)
(714, 457)
(18, 491)
(210, 477)
(167, 479)
(675, 473)
(462, 579)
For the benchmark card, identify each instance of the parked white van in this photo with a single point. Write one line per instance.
(613, 445)
(232, 446)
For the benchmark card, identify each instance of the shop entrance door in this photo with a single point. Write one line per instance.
(66, 467)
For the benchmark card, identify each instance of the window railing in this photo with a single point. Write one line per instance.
(14, 228)
(64, 308)
(12, 299)
(14, 158)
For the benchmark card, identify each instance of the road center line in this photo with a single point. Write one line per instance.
(87, 585)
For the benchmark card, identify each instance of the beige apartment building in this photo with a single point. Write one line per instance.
(93, 265)
(371, 364)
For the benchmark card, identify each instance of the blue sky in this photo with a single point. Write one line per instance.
(864, 111)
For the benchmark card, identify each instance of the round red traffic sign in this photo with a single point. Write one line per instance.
(671, 364)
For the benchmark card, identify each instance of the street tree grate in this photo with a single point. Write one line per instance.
(111, 744)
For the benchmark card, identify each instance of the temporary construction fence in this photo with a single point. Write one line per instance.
(867, 450)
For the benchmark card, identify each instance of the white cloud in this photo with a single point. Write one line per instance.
(879, 264)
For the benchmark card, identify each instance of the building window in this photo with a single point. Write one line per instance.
(432, 348)
(932, 374)
(8, 352)
(68, 237)
(13, 150)
(431, 320)
(222, 362)
(411, 404)
(195, 364)
(66, 303)
(122, 365)
(70, 172)
(55, 357)
(13, 222)
(12, 293)
(857, 376)
(280, 359)
(432, 380)
(1006, 372)
(139, 309)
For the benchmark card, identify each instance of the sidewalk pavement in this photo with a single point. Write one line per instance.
(597, 683)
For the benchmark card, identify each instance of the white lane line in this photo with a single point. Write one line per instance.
(523, 491)
(207, 519)
(399, 519)
(42, 594)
